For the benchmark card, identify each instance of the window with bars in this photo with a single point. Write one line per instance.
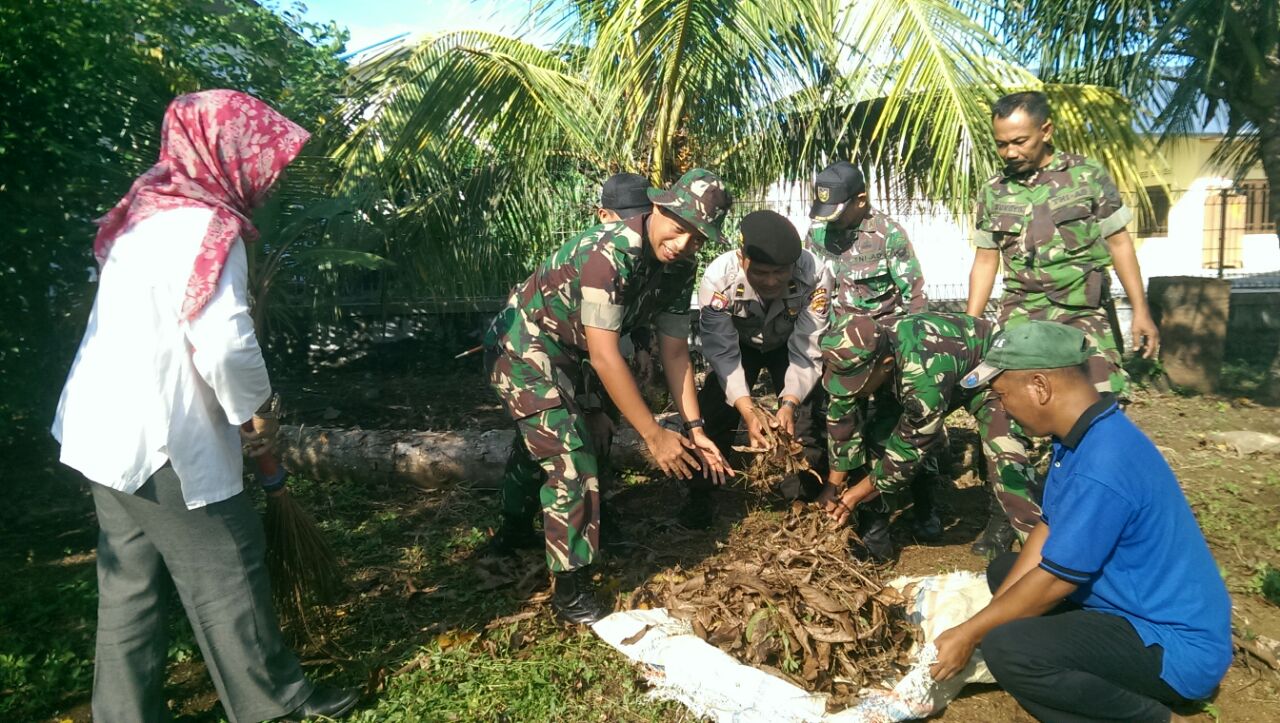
(1154, 221)
(1224, 217)
(1257, 194)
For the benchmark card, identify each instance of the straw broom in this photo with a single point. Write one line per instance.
(301, 564)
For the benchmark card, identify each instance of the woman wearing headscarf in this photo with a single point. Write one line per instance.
(168, 370)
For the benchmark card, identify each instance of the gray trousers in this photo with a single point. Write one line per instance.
(215, 556)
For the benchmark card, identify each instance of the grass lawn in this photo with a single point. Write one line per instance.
(431, 633)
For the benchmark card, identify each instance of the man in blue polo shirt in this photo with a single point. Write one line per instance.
(1114, 608)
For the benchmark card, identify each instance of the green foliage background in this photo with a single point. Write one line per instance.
(83, 86)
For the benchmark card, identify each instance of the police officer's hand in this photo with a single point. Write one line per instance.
(714, 465)
(1145, 335)
(955, 648)
(672, 453)
(786, 416)
(758, 423)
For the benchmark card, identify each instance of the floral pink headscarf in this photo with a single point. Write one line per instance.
(219, 149)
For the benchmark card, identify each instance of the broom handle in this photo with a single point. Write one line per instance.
(270, 472)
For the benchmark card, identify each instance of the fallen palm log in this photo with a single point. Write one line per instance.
(425, 459)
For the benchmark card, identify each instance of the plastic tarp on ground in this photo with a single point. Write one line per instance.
(712, 684)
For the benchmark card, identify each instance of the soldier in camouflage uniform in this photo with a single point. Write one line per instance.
(1056, 222)
(874, 273)
(914, 365)
(622, 196)
(602, 283)
(762, 306)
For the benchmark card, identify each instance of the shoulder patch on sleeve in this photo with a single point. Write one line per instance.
(818, 300)
(719, 301)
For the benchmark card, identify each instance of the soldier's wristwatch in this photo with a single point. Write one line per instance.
(693, 424)
(787, 403)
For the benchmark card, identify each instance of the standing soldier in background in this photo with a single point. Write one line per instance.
(874, 273)
(573, 309)
(1057, 223)
(763, 306)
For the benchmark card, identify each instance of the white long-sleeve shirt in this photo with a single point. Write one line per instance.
(148, 388)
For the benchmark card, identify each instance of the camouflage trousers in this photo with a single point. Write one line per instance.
(550, 453)
(1106, 368)
(1004, 446)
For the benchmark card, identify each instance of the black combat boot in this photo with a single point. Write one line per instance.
(999, 535)
(574, 598)
(874, 544)
(925, 525)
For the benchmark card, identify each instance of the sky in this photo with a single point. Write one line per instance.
(370, 21)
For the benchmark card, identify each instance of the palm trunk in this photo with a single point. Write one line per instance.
(427, 459)
(1269, 142)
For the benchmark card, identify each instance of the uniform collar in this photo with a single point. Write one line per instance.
(1086, 420)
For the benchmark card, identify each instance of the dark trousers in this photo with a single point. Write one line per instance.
(1077, 665)
(214, 554)
(722, 419)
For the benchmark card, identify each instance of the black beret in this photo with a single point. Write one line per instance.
(769, 238)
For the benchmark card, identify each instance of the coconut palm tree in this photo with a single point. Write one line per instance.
(483, 148)
(1190, 60)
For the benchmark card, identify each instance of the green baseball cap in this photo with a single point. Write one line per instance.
(1033, 345)
(699, 198)
(849, 351)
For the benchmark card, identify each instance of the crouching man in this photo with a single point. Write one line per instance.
(764, 307)
(1114, 608)
(911, 369)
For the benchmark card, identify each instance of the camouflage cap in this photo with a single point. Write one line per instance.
(699, 198)
(849, 350)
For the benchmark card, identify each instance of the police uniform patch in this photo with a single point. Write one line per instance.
(818, 301)
(719, 301)
(824, 194)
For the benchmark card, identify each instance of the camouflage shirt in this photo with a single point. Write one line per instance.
(932, 353)
(732, 316)
(606, 277)
(1050, 228)
(873, 267)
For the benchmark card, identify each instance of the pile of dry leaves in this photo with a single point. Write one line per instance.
(786, 596)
